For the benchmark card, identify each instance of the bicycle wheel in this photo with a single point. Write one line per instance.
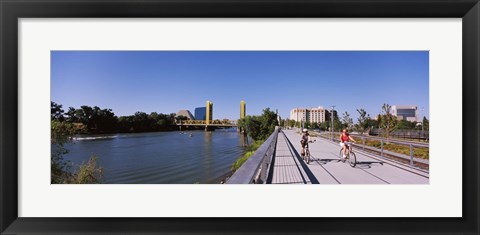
(340, 156)
(352, 159)
(307, 156)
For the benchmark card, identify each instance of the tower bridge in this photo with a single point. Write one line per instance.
(209, 123)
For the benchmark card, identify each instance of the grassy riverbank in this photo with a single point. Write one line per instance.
(250, 151)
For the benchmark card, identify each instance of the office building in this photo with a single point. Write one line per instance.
(200, 113)
(405, 112)
(311, 115)
(328, 115)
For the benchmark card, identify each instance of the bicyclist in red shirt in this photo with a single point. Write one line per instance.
(345, 141)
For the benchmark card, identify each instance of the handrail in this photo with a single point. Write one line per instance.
(255, 169)
(395, 141)
(384, 152)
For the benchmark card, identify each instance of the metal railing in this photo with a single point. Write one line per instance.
(255, 170)
(383, 152)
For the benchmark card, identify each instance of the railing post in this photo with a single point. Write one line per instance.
(411, 155)
(363, 143)
(381, 146)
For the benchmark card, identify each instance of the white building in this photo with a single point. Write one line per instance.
(308, 114)
(405, 112)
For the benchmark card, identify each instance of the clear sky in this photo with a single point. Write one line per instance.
(167, 81)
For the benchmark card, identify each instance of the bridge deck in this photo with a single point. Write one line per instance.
(325, 167)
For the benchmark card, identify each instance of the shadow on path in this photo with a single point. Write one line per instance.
(367, 165)
(324, 161)
(307, 170)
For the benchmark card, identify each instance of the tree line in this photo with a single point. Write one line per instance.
(97, 120)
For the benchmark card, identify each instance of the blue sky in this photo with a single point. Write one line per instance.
(167, 81)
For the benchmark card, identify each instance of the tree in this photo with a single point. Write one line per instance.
(388, 121)
(406, 125)
(325, 126)
(60, 169)
(307, 125)
(363, 120)
(291, 123)
(260, 127)
(425, 124)
(56, 111)
(347, 120)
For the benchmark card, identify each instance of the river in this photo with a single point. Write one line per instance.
(160, 157)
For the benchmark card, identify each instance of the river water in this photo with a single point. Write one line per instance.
(161, 157)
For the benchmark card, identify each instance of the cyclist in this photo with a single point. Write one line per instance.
(345, 139)
(305, 140)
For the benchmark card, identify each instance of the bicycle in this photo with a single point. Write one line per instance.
(350, 156)
(306, 156)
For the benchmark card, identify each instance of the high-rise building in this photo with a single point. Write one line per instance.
(209, 112)
(298, 114)
(200, 113)
(328, 115)
(405, 112)
(311, 115)
(243, 109)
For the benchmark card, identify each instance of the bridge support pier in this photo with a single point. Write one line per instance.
(209, 128)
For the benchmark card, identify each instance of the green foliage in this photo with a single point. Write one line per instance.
(56, 111)
(406, 125)
(97, 120)
(259, 127)
(325, 126)
(291, 123)
(250, 151)
(397, 148)
(87, 173)
(347, 121)
(363, 121)
(61, 133)
(388, 122)
(337, 124)
(425, 124)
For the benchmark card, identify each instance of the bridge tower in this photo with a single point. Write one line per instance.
(243, 109)
(208, 114)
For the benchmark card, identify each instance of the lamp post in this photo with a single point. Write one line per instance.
(331, 117)
(422, 120)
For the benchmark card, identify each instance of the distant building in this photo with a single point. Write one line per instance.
(328, 115)
(200, 113)
(243, 109)
(298, 114)
(209, 112)
(311, 115)
(405, 112)
(185, 113)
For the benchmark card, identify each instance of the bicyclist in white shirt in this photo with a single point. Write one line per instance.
(304, 140)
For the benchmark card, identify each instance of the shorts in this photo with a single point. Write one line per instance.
(343, 143)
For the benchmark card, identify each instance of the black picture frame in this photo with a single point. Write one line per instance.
(11, 11)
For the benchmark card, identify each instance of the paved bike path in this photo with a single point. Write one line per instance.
(328, 169)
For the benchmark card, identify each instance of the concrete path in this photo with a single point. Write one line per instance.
(287, 168)
(326, 168)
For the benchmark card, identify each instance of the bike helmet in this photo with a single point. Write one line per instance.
(305, 130)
